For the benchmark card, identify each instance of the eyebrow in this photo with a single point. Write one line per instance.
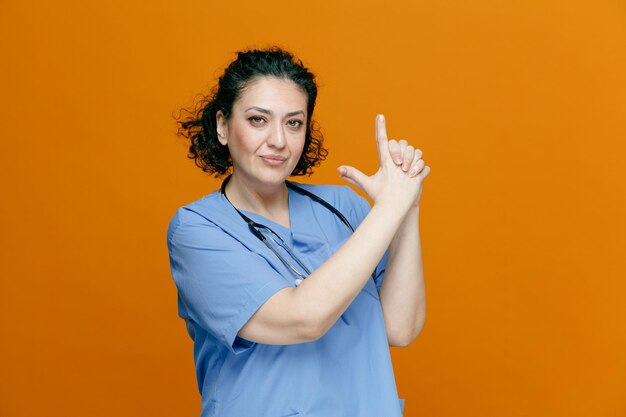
(293, 113)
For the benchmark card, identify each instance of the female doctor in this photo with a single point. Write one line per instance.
(291, 312)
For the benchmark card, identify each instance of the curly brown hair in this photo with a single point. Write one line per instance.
(199, 124)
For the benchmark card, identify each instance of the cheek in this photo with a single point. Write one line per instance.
(296, 151)
(300, 141)
(242, 144)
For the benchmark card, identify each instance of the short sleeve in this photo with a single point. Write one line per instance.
(220, 282)
(361, 208)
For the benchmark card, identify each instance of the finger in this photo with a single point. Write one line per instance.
(416, 168)
(395, 151)
(351, 181)
(407, 158)
(402, 144)
(353, 176)
(381, 139)
(424, 173)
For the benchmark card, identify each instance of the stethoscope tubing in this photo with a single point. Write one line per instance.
(252, 225)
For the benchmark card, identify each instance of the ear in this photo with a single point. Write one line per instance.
(222, 127)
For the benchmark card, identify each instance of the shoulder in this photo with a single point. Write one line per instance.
(193, 215)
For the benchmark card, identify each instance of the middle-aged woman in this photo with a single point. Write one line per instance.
(291, 312)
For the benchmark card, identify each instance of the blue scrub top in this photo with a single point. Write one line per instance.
(223, 274)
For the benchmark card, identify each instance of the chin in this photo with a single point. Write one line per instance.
(272, 178)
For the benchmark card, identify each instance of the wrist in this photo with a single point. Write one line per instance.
(393, 212)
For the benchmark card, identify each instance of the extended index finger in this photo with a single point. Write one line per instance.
(381, 139)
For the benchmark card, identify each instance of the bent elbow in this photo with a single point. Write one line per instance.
(311, 331)
(313, 322)
(404, 340)
(310, 327)
(400, 342)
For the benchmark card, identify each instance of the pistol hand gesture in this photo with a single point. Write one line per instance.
(401, 172)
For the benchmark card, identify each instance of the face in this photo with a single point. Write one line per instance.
(266, 132)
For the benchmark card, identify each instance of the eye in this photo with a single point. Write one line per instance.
(256, 119)
(298, 123)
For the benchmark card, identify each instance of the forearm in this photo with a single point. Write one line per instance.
(402, 292)
(331, 288)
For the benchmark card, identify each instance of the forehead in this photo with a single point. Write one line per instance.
(273, 93)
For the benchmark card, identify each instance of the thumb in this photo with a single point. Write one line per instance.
(353, 176)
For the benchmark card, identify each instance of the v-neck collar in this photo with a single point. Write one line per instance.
(301, 220)
(299, 208)
(303, 235)
(272, 224)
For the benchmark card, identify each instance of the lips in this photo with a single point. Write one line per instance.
(274, 157)
(273, 160)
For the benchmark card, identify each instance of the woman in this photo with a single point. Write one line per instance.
(287, 307)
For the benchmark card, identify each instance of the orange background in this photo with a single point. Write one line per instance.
(518, 106)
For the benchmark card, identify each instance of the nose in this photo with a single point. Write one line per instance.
(277, 138)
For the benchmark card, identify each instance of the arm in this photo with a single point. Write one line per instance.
(402, 293)
(316, 304)
(319, 301)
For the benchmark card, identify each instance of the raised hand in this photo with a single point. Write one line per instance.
(398, 182)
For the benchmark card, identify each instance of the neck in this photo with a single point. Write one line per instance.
(271, 202)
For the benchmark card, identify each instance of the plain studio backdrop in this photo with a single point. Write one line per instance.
(518, 106)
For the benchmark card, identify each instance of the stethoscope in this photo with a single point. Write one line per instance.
(256, 228)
